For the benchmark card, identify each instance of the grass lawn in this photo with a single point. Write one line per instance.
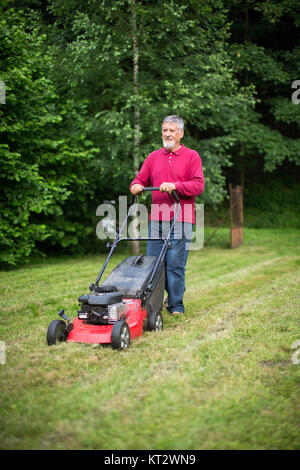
(221, 377)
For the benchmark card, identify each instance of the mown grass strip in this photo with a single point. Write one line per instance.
(220, 377)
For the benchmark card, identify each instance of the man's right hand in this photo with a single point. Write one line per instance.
(136, 189)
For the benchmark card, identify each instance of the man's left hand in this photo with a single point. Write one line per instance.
(167, 187)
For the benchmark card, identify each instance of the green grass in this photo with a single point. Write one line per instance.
(221, 377)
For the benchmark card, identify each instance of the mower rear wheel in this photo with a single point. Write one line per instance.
(155, 321)
(57, 332)
(120, 335)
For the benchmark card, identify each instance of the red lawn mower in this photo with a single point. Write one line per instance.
(127, 302)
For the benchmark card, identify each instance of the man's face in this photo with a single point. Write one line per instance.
(171, 135)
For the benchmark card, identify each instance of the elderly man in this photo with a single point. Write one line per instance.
(173, 167)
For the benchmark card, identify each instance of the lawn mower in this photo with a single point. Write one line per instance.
(128, 302)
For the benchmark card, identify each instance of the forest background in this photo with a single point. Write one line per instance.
(84, 86)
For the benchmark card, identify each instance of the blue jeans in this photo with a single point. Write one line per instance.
(176, 258)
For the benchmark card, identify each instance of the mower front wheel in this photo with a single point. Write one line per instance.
(57, 332)
(155, 321)
(120, 335)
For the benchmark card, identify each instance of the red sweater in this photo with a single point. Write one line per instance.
(184, 169)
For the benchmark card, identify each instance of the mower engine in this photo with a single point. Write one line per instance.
(101, 308)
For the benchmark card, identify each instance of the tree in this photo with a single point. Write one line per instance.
(40, 162)
(264, 47)
(176, 54)
(88, 84)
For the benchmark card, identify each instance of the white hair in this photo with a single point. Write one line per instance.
(176, 119)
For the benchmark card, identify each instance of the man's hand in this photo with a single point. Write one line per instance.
(167, 187)
(136, 189)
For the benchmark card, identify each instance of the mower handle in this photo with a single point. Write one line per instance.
(151, 188)
(156, 188)
(118, 239)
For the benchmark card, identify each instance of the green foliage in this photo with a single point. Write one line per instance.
(274, 203)
(264, 48)
(183, 69)
(41, 160)
(67, 144)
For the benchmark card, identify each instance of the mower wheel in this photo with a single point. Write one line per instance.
(57, 331)
(120, 335)
(155, 321)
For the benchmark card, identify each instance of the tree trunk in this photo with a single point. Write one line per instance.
(246, 81)
(246, 32)
(136, 117)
